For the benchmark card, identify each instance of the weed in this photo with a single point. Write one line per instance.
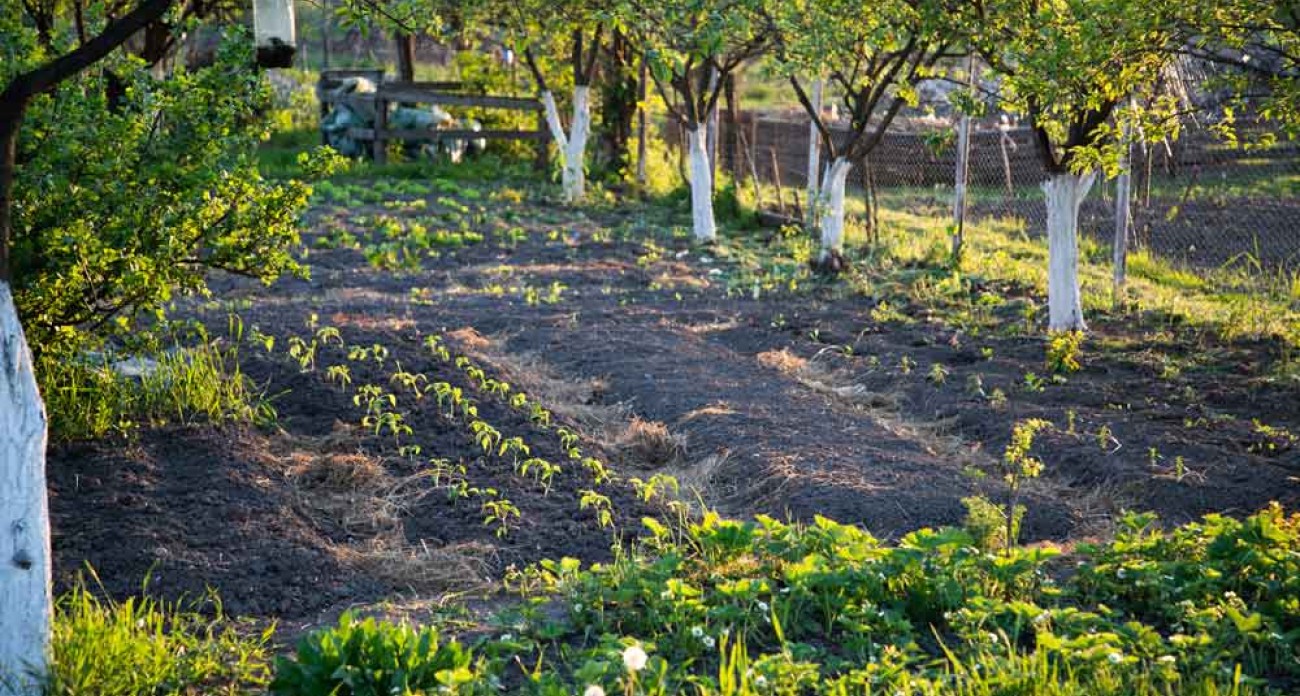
(1064, 349)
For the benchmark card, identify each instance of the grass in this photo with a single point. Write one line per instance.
(144, 646)
(103, 396)
(910, 264)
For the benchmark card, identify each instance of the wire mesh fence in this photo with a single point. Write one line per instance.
(1195, 201)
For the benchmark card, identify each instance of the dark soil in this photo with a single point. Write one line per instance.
(777, 417)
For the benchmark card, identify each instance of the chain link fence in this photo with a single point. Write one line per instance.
(1195, 201)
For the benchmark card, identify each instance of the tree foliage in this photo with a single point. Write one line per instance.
(874, 59)
(120, 206)
(692, 45)
(1069, 65)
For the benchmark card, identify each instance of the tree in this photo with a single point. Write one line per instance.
(874, 57)
(542, 30)
(1068, 65)
(692, 47)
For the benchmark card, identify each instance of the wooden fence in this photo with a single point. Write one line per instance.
(445, 94)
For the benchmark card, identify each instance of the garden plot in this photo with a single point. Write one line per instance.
(473, 380)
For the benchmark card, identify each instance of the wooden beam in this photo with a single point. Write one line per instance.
(424, 96)
(418, 134)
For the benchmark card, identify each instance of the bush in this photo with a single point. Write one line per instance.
(123, 201)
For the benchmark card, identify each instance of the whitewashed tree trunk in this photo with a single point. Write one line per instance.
(832, 199)
(814, 158)
(25, 596)
(1065, 193)
(701, 185)
(572, 145)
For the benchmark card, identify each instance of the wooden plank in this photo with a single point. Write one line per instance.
(350, 99)
(369, 134)
(432, 86)
(422, 96)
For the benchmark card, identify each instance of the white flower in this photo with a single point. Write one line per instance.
(577, 608)
(698, 632)
(708, 642)
(1167, 659)
(593, 690)
(1229, 595)
(634, 658)
(1121, 573)
(760, 681)
(1115, 658)
(993, 637)
(507, 637)
(762, 606)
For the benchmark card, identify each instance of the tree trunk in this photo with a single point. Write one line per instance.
(25, 596)
(831, 201)
(405, 56)
(572, 145)
(731, 141)
(618, 108)
(701, 185)
(13, 104)
(1065, 193)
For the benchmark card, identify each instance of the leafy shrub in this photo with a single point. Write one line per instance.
(370, 658)
(120, 203)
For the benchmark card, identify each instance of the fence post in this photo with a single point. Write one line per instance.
(379, 149)
(963, 167)
(814, 155)
(1123, 216)
(543, 161)
(641, 135)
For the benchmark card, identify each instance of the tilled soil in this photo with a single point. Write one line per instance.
(778, 417)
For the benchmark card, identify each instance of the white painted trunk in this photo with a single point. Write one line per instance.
(25, 596)
(573, 144)
(1065, 193)
(831, 199)
(814, 156)
(701, 185)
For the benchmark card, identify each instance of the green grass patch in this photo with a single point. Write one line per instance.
(144, 646)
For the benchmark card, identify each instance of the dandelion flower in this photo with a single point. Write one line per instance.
(634, 658)
(698, 632)
(708, 641)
